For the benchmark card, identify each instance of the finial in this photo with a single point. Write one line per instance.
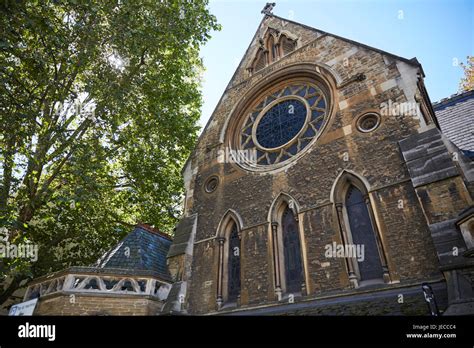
(268, 8)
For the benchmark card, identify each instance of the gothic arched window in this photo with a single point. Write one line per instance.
(363, 234)
(287, 45)
(273, 46)
(259, 62)
(292, 252)
(233, 265)
(228, 270)
(358, 224)
(287, 248)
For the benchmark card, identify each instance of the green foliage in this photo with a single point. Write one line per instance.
(467, 81)
(99, 102)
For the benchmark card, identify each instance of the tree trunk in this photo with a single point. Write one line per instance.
(7, 175)
(14, 285)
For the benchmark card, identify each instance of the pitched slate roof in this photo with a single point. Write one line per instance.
(456, 119)
(144, 249)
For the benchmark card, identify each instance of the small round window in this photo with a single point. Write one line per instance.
(368, 122)
(211, 184)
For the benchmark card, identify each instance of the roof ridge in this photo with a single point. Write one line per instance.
(454, 96)
(153, 229)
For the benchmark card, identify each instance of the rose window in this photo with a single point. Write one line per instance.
(282, 124)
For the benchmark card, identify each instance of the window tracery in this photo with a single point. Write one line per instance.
(273, 46)
(282, 123)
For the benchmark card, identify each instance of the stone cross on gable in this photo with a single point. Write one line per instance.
(268, 8)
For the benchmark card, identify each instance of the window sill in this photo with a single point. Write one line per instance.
(229, 306)
(371, 283)
(285, 298)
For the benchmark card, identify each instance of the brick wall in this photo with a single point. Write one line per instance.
(65, 304)
(444, 199)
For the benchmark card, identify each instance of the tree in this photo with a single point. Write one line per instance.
(467, 82)
(99, 102)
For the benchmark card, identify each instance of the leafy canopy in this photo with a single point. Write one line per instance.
(99, 102)
(467, 81)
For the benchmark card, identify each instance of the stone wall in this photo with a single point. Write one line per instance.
(375, 156)
(396, 301)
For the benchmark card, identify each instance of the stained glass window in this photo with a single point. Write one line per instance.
(283, 123)
(363, 234)
(292, 252)
(234, 265)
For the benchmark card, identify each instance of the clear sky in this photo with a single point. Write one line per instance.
(437, 32)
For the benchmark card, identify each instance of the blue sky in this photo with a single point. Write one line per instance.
(437, 32)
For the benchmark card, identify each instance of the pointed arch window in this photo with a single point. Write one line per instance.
(273, 46)
(271, 49)
(288, 257)
(233, 265)
(363, 234)
(274, 52)
(287, 45)
(260, 60)
(292, 252)
(359, 232)
(228, 270)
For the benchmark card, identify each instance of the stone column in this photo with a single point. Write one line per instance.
(267, 57)
(383, 259)
(278, 51)
(276, 258)
(220, 271)
(239, 233)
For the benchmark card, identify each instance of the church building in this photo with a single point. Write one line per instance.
(322, 184)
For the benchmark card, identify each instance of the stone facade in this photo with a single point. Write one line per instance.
(403, 210)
